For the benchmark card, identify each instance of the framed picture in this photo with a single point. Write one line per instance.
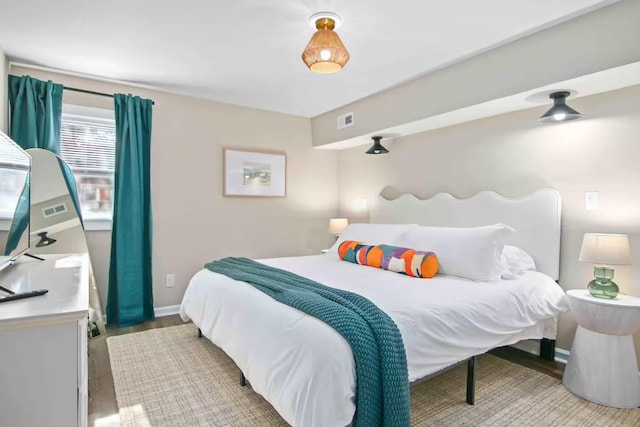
(254, 173)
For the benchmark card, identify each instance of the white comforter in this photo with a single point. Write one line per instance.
(306, 370)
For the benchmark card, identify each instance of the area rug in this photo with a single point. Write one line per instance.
(169, 377)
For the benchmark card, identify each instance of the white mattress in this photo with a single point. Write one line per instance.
(306, 370)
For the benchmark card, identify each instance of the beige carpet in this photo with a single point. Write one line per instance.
(169, 377)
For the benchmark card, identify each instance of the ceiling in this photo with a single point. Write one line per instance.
(247, 52)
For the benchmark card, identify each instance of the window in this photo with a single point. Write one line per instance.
(14, 168)
(88, 146)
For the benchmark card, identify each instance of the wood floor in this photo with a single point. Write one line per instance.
(102, 397)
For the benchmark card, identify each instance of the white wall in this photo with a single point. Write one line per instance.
(192, 222)
(514, 155)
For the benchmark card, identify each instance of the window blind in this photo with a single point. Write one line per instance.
(13, 157)
(88, 144)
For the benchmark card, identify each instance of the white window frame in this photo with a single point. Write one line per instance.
(99, 115)
(5, 222)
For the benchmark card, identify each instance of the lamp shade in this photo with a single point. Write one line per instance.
(607, 249)
(325, 52)
(560, 111)
(337, 225)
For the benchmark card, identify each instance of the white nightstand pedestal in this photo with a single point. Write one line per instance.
(602, 366)
(603, 369)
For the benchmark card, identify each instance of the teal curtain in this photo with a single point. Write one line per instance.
(36, 112)
(35, 109)
(130, 296)
(71, 186)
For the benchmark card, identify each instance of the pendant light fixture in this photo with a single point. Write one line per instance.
(560, 110)
(377, 148)
(325, 52)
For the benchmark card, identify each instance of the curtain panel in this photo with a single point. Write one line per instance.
(130, 296)
(36, 112)
(35, 109)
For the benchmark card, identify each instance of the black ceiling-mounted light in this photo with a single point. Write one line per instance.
(560, 111)
(45, 240)
(377, 148)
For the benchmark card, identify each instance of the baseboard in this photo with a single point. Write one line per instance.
(533, 347)
(167, 310)
(562, 355)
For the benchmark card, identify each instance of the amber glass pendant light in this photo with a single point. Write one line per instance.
(325, 52)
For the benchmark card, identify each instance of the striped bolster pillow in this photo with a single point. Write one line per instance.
(393, 258)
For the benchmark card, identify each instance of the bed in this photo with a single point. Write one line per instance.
(306, 370)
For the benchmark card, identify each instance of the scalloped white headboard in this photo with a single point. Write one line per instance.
(536, 219)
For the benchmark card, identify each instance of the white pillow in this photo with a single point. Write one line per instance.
(473, 253)
(515, 261)
(371, 234)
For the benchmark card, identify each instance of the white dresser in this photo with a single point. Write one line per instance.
(43, 343)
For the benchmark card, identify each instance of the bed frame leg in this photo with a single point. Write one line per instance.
(548, 349)
(471, 380)
(243, 380)
(199, 333)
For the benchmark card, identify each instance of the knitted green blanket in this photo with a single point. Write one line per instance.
(382, 390)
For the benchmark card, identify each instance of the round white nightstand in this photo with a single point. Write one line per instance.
(602, 366)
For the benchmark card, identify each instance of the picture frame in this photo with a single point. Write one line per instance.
(254, 173)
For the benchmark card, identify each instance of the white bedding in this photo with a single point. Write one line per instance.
(306, 370)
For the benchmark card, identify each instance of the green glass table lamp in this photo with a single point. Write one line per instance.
(605, 250)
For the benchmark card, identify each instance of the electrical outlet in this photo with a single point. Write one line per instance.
(170, 281)
(591, 201)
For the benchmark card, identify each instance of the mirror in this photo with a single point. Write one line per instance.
(56, 227)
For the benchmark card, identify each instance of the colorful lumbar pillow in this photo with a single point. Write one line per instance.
(393, 258)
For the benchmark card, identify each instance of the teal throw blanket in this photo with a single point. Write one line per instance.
(382, 387)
